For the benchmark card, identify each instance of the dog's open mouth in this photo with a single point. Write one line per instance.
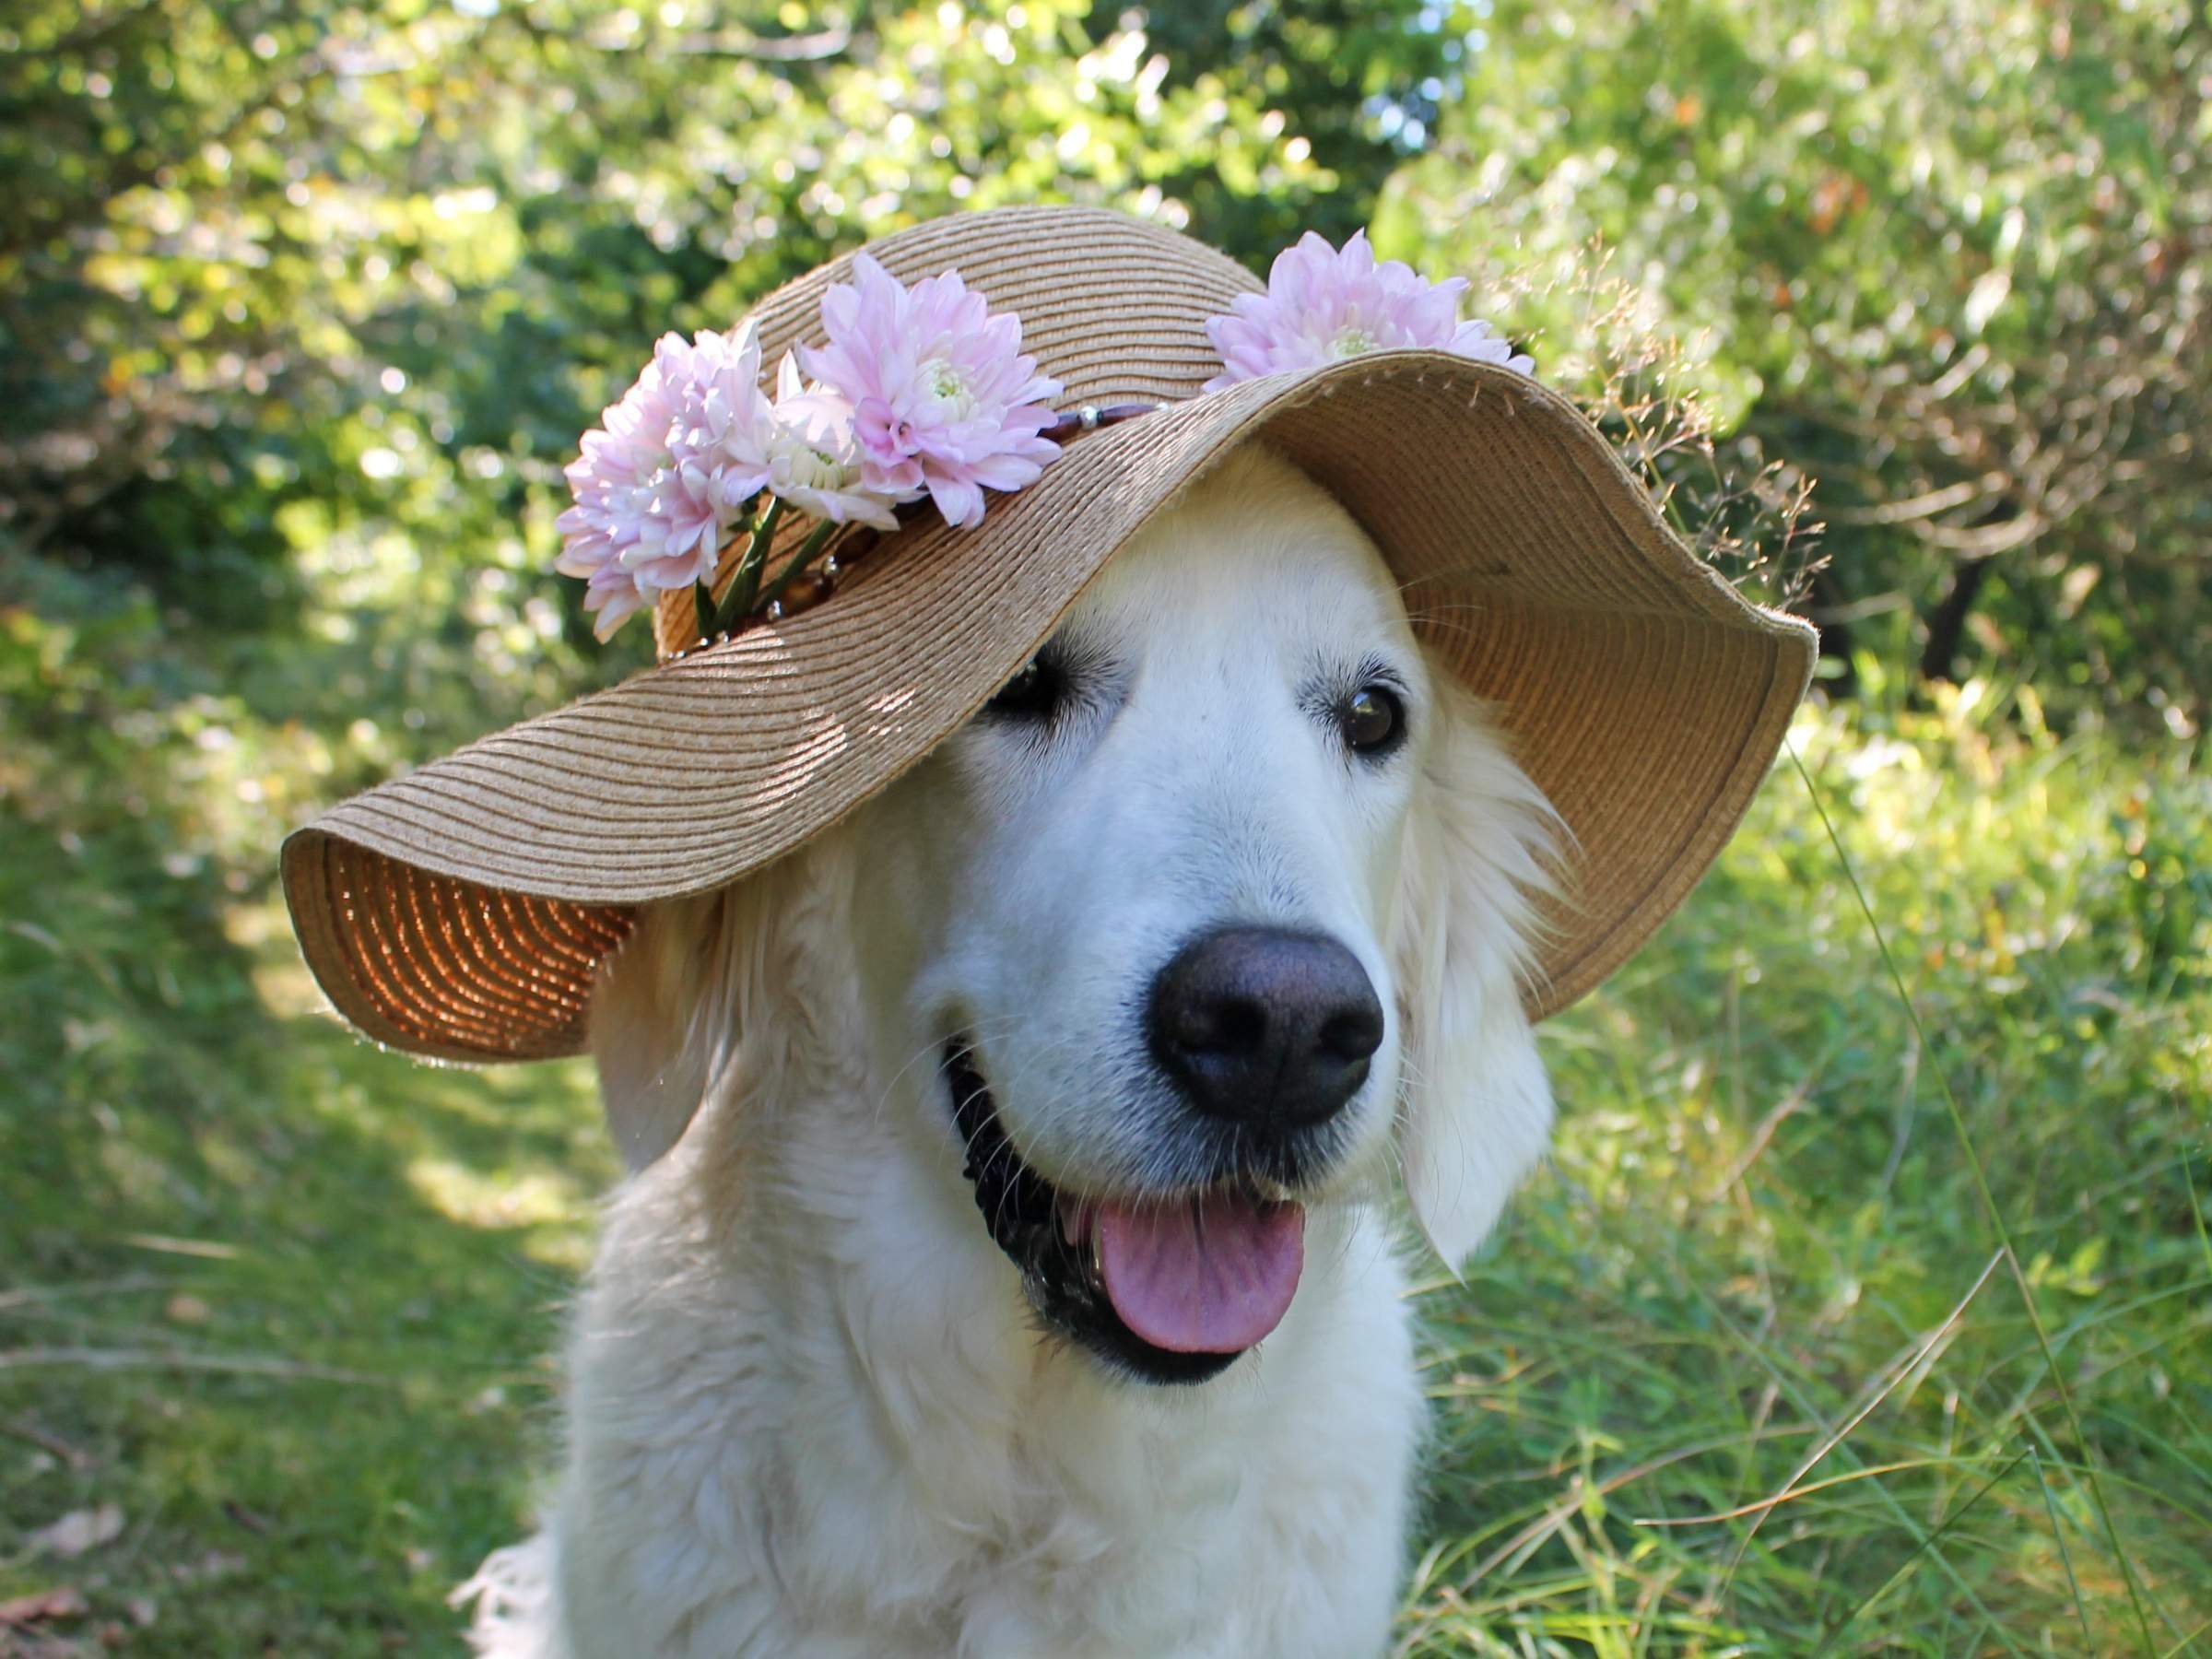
(1172, 1289)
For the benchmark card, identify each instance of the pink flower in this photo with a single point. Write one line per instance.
(943, 400)
(920, 392)
(1322, 304)
(667, 472)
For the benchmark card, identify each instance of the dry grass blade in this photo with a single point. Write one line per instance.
(1517, 1548)
(1989, 1206)
(1761, 1506)
(1783, 1110)
(1926, 1346)
(1905, 1565)
(1749, 515)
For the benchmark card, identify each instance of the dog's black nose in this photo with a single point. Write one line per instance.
(1262, 1027)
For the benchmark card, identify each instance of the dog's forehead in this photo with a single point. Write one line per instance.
(1254, 552)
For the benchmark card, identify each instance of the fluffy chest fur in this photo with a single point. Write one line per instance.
(829, 1427)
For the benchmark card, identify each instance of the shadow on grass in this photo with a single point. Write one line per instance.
(295, 1296)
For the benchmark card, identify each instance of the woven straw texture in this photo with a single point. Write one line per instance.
(460, 912)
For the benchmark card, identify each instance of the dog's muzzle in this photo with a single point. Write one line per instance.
(1168, 1288)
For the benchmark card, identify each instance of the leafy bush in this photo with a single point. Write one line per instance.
(302, 307)
(1954, 260)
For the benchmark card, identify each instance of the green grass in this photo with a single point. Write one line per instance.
(1762, 1235)
(288, 1302)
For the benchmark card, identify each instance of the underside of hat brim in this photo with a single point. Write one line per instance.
(460, 912)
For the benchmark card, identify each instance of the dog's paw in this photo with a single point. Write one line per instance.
(511, 1594)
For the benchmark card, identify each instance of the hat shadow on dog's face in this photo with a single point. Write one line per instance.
(462, 912)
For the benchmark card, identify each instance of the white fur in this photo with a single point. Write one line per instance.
(809, 1413)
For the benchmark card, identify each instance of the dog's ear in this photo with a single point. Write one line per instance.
(665, 1018)
(1479, 847)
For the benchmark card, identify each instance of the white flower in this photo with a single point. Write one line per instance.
(813, 456)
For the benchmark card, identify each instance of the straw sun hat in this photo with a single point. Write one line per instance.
(460, 911)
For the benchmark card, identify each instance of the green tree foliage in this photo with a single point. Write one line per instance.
(304, 304)
(291, 286)
(1955, 260)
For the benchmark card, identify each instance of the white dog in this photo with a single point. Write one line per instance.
(1023, 1287)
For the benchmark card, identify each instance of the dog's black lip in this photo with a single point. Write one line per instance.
(1021, 1211)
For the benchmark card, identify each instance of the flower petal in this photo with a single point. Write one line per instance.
(1323, 303)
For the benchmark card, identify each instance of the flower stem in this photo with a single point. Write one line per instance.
(745, 584)
(799, 561)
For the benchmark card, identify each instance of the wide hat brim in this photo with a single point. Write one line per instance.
(462, 912)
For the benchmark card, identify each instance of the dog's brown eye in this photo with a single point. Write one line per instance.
(1372, 719)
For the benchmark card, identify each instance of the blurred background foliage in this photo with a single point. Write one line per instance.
(1901, 306)
(1952, 259)
(284, 279)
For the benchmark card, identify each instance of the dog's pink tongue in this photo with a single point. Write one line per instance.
(1211, 1276)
